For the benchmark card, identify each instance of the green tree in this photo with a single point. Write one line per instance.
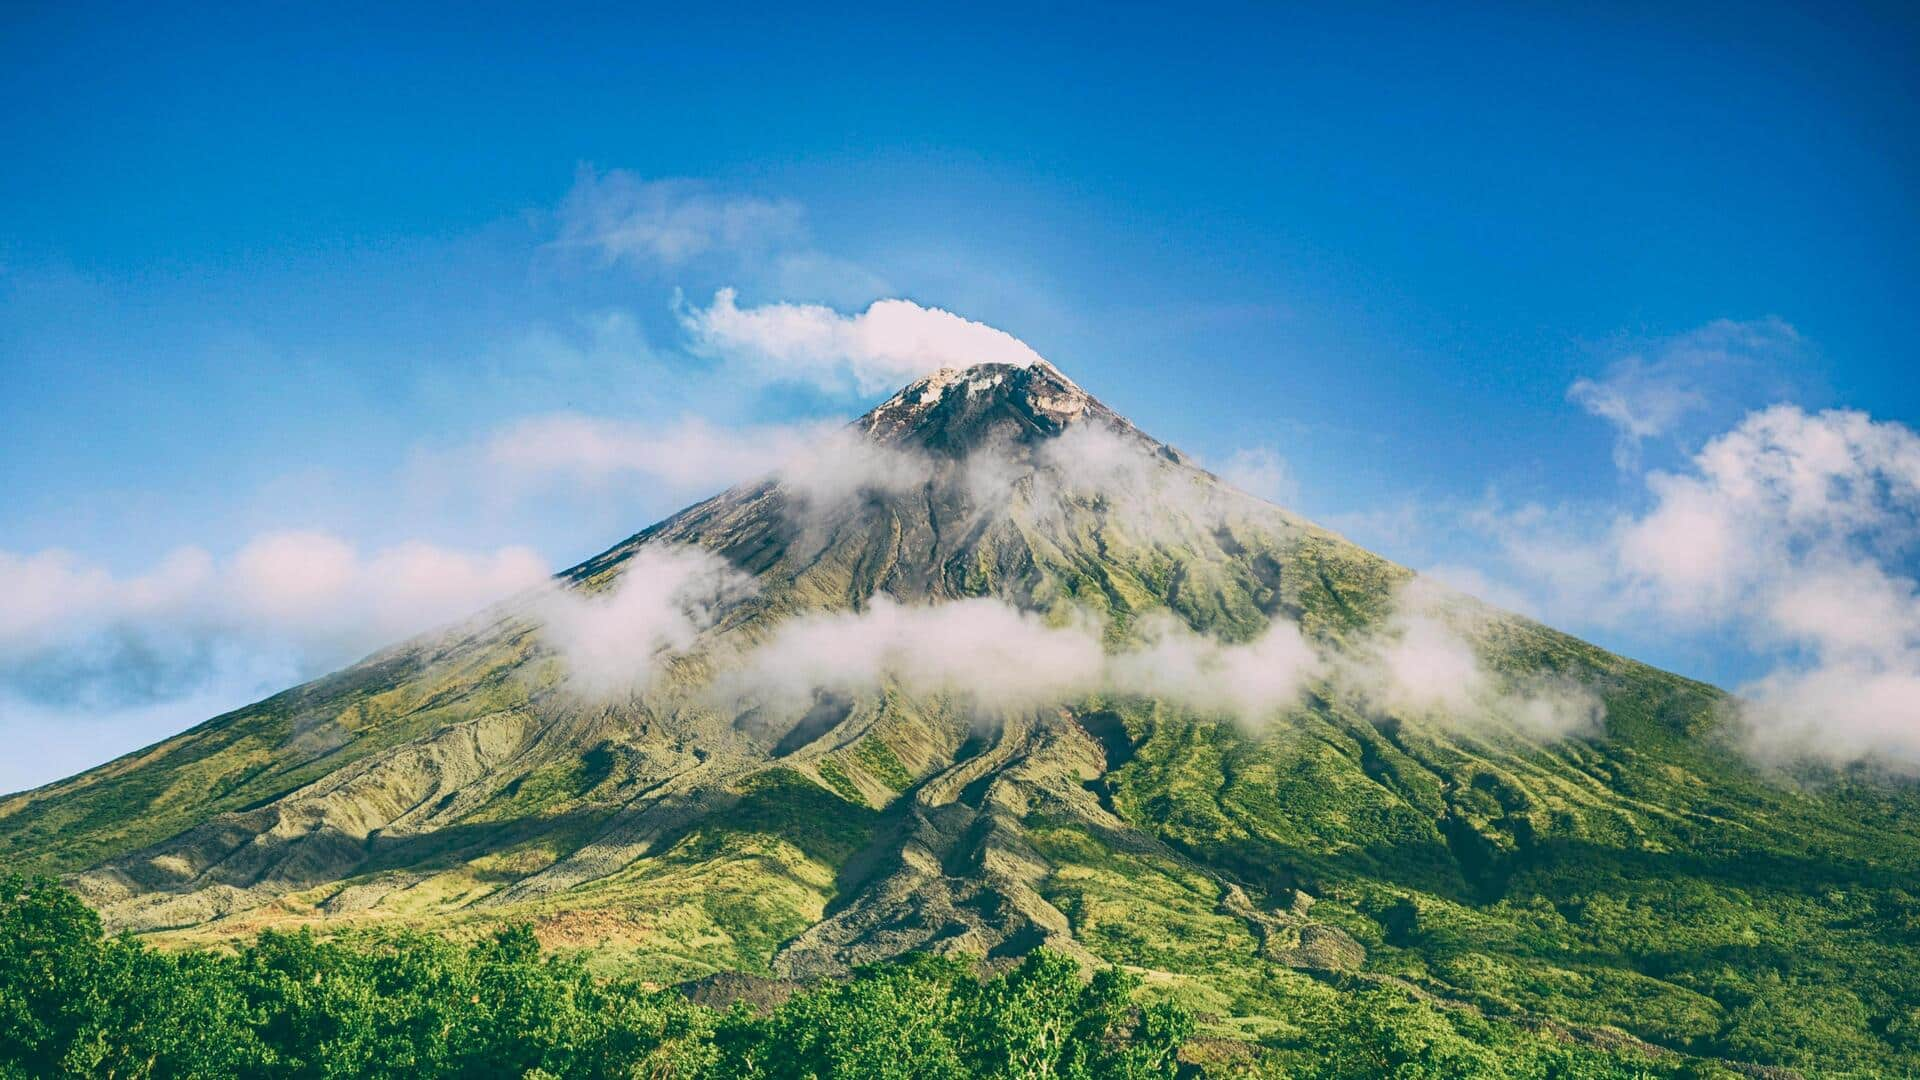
(1041, 1020)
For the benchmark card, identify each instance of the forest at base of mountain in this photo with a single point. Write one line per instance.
(74, 1002)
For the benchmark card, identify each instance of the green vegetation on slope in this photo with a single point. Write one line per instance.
(1705, 909)
(250, 757)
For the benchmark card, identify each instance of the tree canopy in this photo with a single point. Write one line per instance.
(76, 1002)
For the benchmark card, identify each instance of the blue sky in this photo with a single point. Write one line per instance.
(294, 271)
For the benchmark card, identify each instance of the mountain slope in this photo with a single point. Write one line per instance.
(1639, 876)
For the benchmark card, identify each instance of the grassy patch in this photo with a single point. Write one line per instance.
(880, 762)
(836, 777)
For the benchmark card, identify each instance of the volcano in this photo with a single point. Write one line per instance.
(1620, 872)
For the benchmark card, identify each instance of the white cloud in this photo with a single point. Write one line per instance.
(1784, 493)
(998, 657)
(823, 464)
(688, 454)
(1427, 667)
(1262, 472)
(616, 640)
(48, 596)
(1803, 526)
(1003, 660)
(890, 343)
(1147, 495)
(306, 595)
(841, 465)
(620, 217)
(1794, 533)
(1646, 395)
(1635, 399)
(1843, 710)
(1558, 564)
(1472, 581)
(1426, 661)
(317, 590)
(1250, 681)
(1097, 459)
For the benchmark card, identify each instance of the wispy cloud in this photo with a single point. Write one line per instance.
(1425, 660)
(615, 641)
(1251, 681)
(619, 217)
(690, 230)
(1261, 471)
(1647, 394)
(569, 458)
(1424, 663)
(689, 454)
(1001, 659)
(982, 649)
(308, 599)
